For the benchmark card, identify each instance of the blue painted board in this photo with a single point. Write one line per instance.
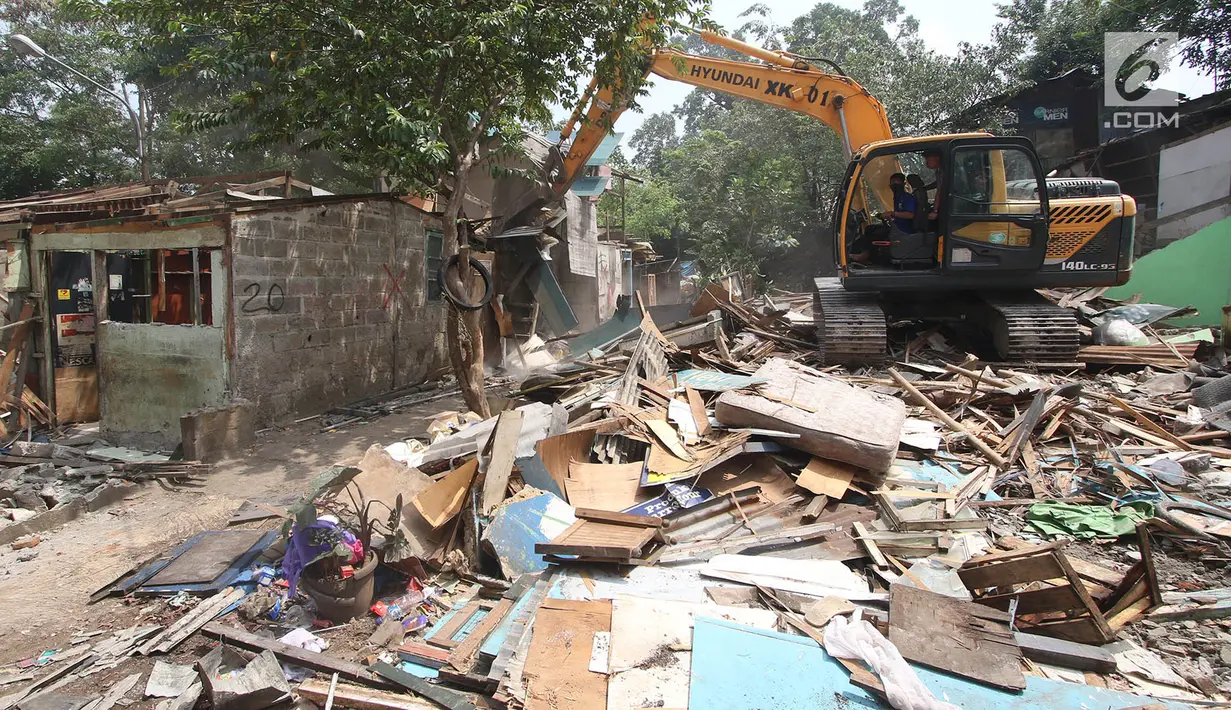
(736, 667)
(466, 628)
(420, 670)
(516, 527)
(493, 642)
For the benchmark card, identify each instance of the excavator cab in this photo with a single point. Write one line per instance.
(980, 214)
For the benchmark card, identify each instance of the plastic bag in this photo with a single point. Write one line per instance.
(1118, 331)
(857, 639)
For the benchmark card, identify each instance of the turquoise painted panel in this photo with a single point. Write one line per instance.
(736, 667)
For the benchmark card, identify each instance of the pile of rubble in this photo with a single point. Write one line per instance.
(698, 513)
(45, 484)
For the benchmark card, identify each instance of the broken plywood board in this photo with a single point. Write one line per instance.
(504, 442)
(748, 471)
(442, 500)
(603, 486)
(651, 642)
(826, 478)
(207, 559)
(557, 664)
(850, 425)
(557, 452)
(960, 637)
(669, 438)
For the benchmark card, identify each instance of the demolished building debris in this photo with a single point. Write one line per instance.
(703, 517)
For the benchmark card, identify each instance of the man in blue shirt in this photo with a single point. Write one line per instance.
(904, 205)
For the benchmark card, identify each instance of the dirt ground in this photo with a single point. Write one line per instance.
(45, 600)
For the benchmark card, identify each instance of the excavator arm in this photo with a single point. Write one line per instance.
(778, 79)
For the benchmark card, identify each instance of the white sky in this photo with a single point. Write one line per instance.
(942, 24)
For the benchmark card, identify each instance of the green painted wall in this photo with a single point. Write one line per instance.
(1194, 271)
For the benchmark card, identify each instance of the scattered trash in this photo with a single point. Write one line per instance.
(689, 511)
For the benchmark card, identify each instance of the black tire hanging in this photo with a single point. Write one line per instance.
(477, 265)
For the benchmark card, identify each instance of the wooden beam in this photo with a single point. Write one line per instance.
(360, 698)
(1068, 654)
(949, 421)
(294, 654)
(445, 698)
(500, 466)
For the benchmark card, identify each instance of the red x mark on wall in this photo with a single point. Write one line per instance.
(393, 286)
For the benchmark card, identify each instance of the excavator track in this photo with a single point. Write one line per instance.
(850, 327)
(1029, 328)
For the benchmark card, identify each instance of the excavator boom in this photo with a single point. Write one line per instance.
(779, 79)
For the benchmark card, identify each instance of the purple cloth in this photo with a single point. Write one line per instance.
(306, 544)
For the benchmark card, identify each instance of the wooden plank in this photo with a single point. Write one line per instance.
(949, 421)
(1036, 601)
(1095, 573)
(443, 697)
(861, 533)
(444, 636)
(826, 478)
(1130, 614)
(1027, 569)
(1148, 423)
(943, 524)
(423, 654)
(1095, 614)
(194, 620)
(17, 344)
(697, 405)
(360, 698)
(604, 516)
(943, 633)
(1068, 654)
(294, 654)
(464, 654)
(500, 466)
(442, 500)
(814, 509)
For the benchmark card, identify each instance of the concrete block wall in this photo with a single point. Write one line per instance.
(329, 304)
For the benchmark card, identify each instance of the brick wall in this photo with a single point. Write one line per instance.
(317, 322)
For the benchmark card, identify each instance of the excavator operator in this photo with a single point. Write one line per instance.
(901, 217)
(904, 205)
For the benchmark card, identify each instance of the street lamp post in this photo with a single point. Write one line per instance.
(27, 47)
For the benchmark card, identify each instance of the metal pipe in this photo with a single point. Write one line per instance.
(838, 102)
(783, 59)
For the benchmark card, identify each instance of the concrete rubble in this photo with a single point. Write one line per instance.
(712, 521)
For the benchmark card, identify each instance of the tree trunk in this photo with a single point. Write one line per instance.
(464, 328)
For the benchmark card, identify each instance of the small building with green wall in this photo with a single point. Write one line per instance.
(1194, 271)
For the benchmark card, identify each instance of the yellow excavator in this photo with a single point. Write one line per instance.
(987, 227)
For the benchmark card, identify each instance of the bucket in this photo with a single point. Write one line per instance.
(343, 599)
